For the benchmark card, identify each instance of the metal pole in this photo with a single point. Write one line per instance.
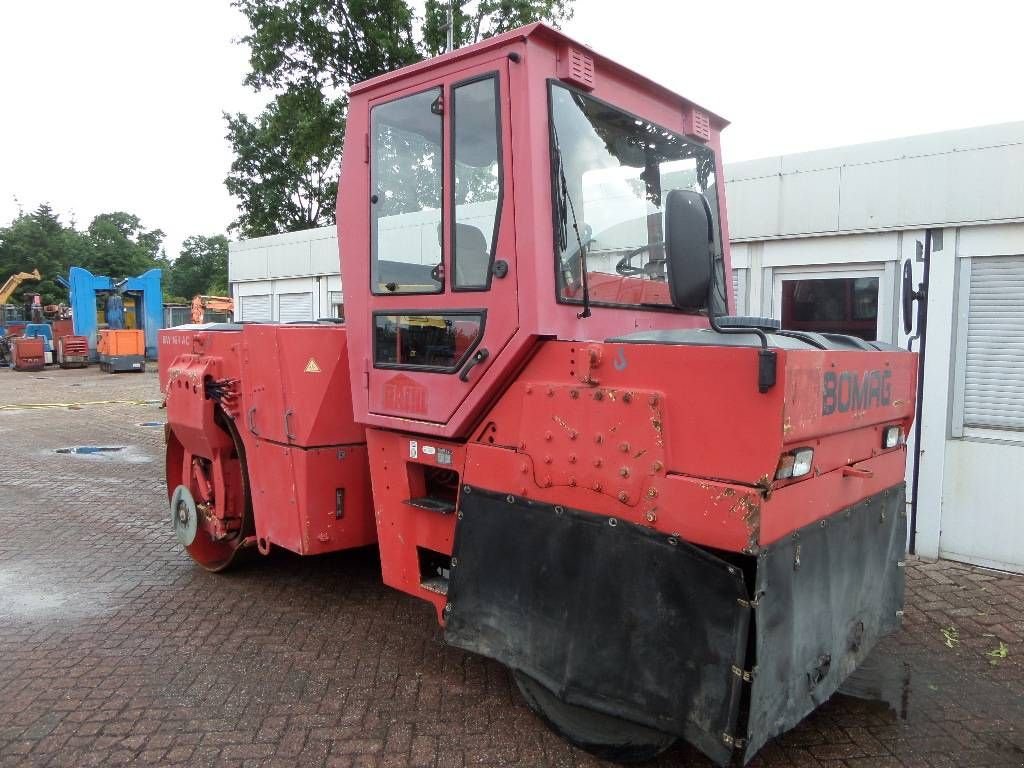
(922, 332)
(451, 26)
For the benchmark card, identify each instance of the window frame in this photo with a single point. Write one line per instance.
(552, 83)
(420, 311)
(373, 220)
(494, 75)
(959, 427)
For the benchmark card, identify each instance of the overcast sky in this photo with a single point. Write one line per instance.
(116, 104)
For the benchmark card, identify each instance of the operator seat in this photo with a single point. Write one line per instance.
(472, 256)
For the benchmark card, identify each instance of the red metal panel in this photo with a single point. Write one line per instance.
(314, 376)
(397, 463)
(189, 411)
(262, 390)
(715, 424)
(805, 501)
(295, 497)
(705, 512)
(834, 392)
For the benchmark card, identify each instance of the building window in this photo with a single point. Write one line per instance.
(846, 305)
(991, 347)
(406, 178)
(430, 342)
(336, 301)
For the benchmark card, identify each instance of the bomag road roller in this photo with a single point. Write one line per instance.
(667, 521)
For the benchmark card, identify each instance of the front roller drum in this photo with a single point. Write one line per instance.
(604, 736)
(190, 502)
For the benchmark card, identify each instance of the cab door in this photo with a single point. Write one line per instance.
(442, 242)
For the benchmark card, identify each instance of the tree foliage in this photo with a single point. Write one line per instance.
(201, 267)
(122, 247)
(311, 52)
(114, 244)
(285, 172)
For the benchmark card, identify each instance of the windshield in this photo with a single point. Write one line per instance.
(611, 172)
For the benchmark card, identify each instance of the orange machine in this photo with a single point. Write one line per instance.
(223, 305)
(122, 350)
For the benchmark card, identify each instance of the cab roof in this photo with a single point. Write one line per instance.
(535, 31)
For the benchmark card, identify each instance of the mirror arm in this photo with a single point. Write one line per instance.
(767, 358)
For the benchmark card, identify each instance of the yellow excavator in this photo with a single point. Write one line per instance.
(14, 281)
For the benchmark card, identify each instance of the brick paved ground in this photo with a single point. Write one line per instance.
(115, 649)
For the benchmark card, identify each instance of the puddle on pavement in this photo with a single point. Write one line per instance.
(24, 595)
(91, 449)
(881, 678)
(128, 454)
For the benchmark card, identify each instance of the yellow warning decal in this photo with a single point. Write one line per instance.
(311, 366)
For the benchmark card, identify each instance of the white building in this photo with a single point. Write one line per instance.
(286, 278)
(818, 239)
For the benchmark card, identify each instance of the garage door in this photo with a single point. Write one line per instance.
(295, 307)
(255, 308)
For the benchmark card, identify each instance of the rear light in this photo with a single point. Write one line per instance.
(892, 436)
(795, 464)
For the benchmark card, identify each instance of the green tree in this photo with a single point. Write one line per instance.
(115, 244)
(38, 240)
(285, 172)
(122, 247)
(484, 19)
(201, 268)
(312, 52)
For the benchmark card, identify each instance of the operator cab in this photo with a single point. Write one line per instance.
(519, 189)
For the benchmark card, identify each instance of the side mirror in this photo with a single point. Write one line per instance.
(689, 234)
(908, 297)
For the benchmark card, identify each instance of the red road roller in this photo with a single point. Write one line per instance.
(667, 521)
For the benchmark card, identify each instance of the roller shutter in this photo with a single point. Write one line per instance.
(994, 368)
(255, 308)
(739, 290)
(295, 307)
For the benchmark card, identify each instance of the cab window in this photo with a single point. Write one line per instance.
(611, 172)
(406, 180)
(477, 180)
(433, 342)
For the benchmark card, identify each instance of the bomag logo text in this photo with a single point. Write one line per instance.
(855, 391)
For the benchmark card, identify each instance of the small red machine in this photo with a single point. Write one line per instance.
(72, 351)
(28, 354)
(669, 523)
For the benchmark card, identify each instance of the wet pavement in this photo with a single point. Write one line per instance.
(115, 649)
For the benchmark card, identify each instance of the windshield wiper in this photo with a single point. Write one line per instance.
(564, 200)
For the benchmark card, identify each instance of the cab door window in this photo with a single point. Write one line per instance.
(406, 181)
(477, 180)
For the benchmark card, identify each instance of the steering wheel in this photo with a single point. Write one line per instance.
(624, 265)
